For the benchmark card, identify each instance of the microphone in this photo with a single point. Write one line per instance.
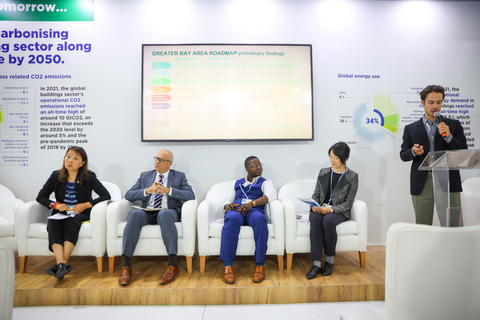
(438, 117)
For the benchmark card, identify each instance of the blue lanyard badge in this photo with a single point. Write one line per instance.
(250, 187)
(331, 183)
(70, 194)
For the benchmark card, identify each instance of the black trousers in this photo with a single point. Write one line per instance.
(323, 233)
(60, 231)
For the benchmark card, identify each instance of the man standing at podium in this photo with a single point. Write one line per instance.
(422, 137)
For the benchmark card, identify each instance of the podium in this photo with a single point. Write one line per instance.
(440, 164)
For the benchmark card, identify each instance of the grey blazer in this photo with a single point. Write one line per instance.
(181, 190)
(343, 194)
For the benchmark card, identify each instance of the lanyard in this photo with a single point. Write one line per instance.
(331, 183)
(241, 188)
(70, 194)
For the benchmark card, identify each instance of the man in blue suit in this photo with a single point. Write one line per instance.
(245, 205)
(163, 189)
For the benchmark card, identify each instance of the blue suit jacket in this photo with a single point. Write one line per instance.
(181, 190)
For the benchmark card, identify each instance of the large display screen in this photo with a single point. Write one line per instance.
(226, 92)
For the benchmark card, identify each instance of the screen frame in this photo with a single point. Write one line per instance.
(312, 138)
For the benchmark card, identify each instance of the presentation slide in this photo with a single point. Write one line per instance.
(227, 92)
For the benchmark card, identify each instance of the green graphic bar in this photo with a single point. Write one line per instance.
(47, 10)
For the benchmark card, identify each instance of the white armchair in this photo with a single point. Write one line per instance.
(471, 201)
(430, 272)
(7, 281)
(8, 205)
(210, 224)
(150, 242)
(32, 235)
(352, 234)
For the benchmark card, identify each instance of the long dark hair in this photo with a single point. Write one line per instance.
(82, 171)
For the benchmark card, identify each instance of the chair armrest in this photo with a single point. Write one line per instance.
(98, 228)
(117, 212)
(206, 215)
(26, 214)
(290, 225)
(359, 213)
(10, 209)
(189, 224)
(278, 222)
(7, 274)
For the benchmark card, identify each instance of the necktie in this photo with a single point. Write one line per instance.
(158, 197)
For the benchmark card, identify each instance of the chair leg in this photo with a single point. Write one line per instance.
(362, 256)
(280, 263)
(189, 264)
(100, 264)
(202, 264)
(111, 264)
(22, 263)
(289, 261)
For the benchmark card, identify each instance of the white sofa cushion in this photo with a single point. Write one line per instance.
(39, 230)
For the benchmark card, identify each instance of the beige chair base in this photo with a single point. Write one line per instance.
(280, 263)
(22, 261)
(362, 256)
(111, 264)
(289, 261)
(203, 260)
(189, 264)
(100, 264)
(202, 264)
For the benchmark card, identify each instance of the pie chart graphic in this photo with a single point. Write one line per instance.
(377, 122)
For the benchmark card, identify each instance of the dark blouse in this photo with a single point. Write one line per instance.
(83, 192)
(334, 182)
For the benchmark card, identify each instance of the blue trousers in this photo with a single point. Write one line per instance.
(138, 218)
(231, 229)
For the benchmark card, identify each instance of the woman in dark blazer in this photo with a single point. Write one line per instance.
(335, 191)
(73, 185)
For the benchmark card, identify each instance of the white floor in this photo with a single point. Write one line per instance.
(318, 311)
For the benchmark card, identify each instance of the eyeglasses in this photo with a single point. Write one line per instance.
(161, 160)
(256, 166)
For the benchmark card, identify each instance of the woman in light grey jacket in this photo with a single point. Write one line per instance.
(335, 191)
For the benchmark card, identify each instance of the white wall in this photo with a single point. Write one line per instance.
(409, 44)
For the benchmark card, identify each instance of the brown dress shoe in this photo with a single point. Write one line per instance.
(259, 274)
(169, 275)
(125, 276)
(228, 275)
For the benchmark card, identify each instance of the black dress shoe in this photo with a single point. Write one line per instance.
(63, 269)
(313, 272)
(327, 269)
(52, 270)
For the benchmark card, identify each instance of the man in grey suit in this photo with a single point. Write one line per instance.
(163, 189)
